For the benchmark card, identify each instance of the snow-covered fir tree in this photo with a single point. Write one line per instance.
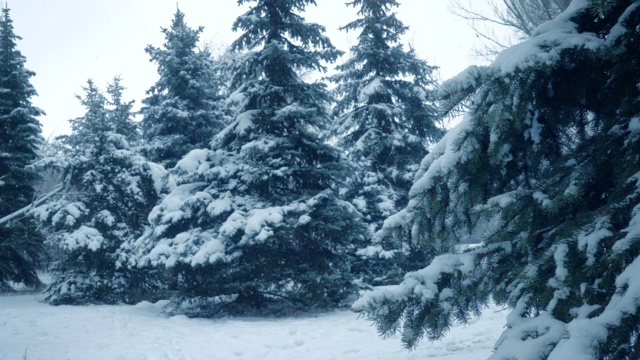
(20, 137)
(109, 189)
(385, 117)
(183, 110)
(545, 169)
(254, 224)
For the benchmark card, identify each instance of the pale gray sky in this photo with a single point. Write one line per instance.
(68, 41)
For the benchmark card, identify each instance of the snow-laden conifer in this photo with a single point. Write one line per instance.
(108, 191)
(183, 109)
(20, 137)
(254, 225)
(386, 115)
(545, 170)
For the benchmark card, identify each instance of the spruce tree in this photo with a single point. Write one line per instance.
(20, 138)
(109, 190)
(182, 111)
(385, 116)
(545, 169)
(255, 225)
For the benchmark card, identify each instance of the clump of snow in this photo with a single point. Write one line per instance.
(376, 251)
(304, 219)
(84, 237)
(244, 122)
(503, 200)
(560, 257)
(634, 125)
(193, 161)
(220, 205)
(171, 208)
(542, 198)
(260, 223)
(533, 336)
(385, 205)
(160, 177)
(293, 110)
(360, 203)
(241, 126)
(370, 89)
(535, 131)
(589, 239)
(209, 252)
(548, 40)
(69, 213)
(106, 218)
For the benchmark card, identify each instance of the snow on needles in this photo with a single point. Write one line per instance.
(422, 283)
(370, 89)
(583, 332)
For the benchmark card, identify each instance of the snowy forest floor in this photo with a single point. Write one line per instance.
(139, 332)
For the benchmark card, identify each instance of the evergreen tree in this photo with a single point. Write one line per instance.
(386, 115)
(545, 169)
(20, 137)
(109, 190)
(254, 225)
(120, 113)
(182, 111)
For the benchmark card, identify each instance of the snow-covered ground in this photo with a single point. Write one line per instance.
(142, 332)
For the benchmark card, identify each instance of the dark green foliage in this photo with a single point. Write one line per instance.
(21, 254)
(386, 115)
(300, 267)
(108, 192)
(545, 169)
(20, 136)
(183, 109)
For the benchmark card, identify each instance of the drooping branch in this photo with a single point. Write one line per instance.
(35, 203)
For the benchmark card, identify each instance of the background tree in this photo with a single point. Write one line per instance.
(109, 190)
(254, 225)
(545, 170)
(182, 111)
(385, 117)
(20, 137)
(120, 113)
(518, 17)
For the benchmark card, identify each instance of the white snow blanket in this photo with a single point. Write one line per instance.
(142, 332)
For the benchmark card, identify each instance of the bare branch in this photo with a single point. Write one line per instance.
(520, 16)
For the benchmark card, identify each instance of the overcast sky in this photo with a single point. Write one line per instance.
(67, 42)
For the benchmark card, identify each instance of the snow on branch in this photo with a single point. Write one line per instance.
(26, 209)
